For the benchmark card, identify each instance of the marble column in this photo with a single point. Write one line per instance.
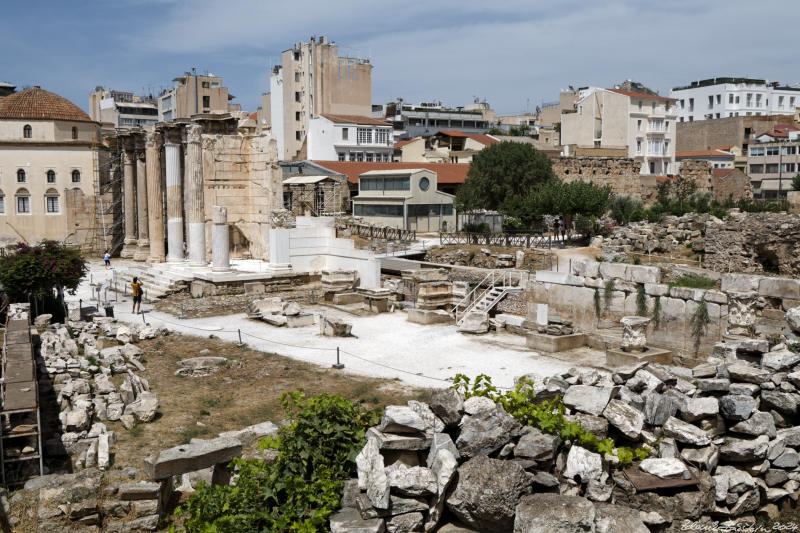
(155, 198)
(129, 205)
(279, 257)
(172, 152)
(195, 208)
(220, 241)
(143, 244)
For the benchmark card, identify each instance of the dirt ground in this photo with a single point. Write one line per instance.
(243, 392)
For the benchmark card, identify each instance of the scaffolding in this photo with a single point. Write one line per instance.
(21, 454)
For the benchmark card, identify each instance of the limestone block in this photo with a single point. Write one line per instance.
(739, 282)
(779, 288)
(643, 274)
(196, 455)
(614, 270)
(656, 289)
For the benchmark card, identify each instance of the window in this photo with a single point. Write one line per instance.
(682, 101)
(27, 131)
(2, 203)
(206, 101)
(74, 132)
(296, 76)
(711, 101)
(771, 168)
(639, 125)
(51, 201)
(756, 169)
(737, 100)
(691, 118)
(749, 99)
(424, 183)
(780, 101)
(378, 210)
(23, 201)
(787, 167)
(204, 85)
(382, 136)
(791, 101)
(756, 150)
(297, 135)
(342, 156)
(359, 156)
(297, 115)
(655, 147)
(345, 134)
(719, 98)
(76, 176)
(655, 125)
(51, 176)
(385, 184)
(638, 146)
(667, 107)
(789, 150)
(364, 135)
(640, 105)
(653, 107)
(772, 150)
(730, 98)
(297, 55)
(370, 157)
(691, 104)
(297, 96)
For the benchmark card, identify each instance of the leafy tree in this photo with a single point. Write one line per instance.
(623, 206)
(38, 270)
(556, 197)
(684, 189)
(300, 490)
(501, 176)
(796, 183)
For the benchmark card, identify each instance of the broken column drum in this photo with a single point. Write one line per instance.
(220, 240)
(172, 151)
(741, 312)
(129, 193)
(155, 198)
(634, 333)
(143, 243)
(195, 209)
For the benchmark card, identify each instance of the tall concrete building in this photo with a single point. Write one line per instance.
(122, 109)
(195, 94)
(615, 122)
(733, 97)
(313, 80)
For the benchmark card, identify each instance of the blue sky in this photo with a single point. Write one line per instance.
(514, 53)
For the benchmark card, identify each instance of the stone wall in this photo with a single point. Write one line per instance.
(698, 171)
(572, 296)
(241, 173)
(622, 173)
(735, 184)
(755, 242)
(668, 236)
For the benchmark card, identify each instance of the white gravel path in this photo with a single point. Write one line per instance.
(385, 345)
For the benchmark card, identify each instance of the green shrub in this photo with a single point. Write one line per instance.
(300, 490)
(608, 291)
(473, 227)
(623, 206)
(547, 415)
(694, 281)
(597, 308)
(38, 270)
(796, 183)
(512, 224)
(700, 320)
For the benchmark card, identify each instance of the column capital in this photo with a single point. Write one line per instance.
(153, 140)
(193, 133)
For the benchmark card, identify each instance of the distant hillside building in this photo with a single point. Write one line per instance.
(733, 97)
(312, 80)
(195, 94)
(121, 109)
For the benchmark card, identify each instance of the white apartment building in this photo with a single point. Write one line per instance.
(349, 138)
(733, 97)
(615, 121)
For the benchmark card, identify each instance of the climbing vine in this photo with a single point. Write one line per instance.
(641, 301)
(700, 320)
(608, 292)
(656, 311)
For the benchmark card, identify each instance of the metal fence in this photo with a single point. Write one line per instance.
(376, 232)
(500, 239)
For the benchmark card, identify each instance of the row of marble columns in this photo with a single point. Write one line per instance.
(144, 198)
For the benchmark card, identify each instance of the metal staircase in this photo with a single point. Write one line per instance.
(487, 293)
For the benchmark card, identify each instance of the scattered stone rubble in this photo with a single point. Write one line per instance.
(276, 312)
(79, 364)
(484, 258)
(723, 440)
(671, 234)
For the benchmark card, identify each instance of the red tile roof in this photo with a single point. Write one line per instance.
(254, 116)
(721, 172)
(400, 144)
(663, 179)
(485, 140)
(356, 119)
(37, 103)
(446, 172)
(640, 95)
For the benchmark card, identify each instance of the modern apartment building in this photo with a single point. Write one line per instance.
(121, 109)
(733, 97)
(618, 122)
(720, 157)
(429, 118)
(771, 165)
(195, 94)
(313, 80)
(349, 138)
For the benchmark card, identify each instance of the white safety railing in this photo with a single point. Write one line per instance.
(492, 280)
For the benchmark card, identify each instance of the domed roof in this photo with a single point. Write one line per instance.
(37, 103)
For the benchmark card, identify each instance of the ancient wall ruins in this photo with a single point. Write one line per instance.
(622, 173)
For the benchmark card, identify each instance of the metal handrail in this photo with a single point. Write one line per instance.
(471, 299)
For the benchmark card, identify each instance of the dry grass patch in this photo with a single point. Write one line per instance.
(244, 391)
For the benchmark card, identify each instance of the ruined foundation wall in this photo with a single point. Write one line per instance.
(241, 173)
(622, 173)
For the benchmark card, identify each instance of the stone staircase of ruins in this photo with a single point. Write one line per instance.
(158, 280)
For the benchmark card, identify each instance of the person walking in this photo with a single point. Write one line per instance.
(563, 226)
(107, 259)
(136, 291)
(555, 229)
